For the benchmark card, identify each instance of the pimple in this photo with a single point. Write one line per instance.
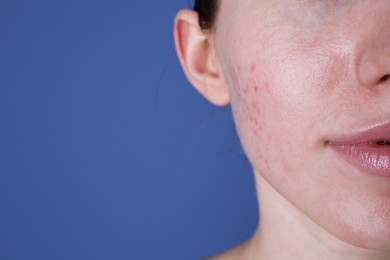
(236, 72)
(253, 120)
(256, 89)
(256, 106)
(246, 90)
(253, 67)
(265, 85)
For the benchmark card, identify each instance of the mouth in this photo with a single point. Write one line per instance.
(368, 149)
(383, 142)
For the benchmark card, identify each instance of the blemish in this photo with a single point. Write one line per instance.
(253, 67)
(256, 88)
(246, 90)
(256, 106)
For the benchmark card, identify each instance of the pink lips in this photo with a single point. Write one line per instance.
(368, 150)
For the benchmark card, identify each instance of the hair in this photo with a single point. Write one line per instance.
(207, 10)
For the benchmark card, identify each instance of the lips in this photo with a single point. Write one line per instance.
(368, 149)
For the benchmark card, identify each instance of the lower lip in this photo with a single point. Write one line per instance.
(370, 158)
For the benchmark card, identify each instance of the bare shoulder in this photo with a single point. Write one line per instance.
(237, 252)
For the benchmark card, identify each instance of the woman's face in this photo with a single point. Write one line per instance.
(302, 75)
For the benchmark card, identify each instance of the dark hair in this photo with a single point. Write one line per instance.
(207, 10)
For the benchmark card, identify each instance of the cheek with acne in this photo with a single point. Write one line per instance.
(252, 111)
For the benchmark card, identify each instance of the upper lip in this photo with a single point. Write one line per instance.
(369, 135)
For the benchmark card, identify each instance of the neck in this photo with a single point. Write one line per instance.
(286, 233)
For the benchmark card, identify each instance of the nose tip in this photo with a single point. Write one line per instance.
(384, 78)
(374, 68)
(373, 46)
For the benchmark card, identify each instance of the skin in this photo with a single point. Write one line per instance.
(297, 74)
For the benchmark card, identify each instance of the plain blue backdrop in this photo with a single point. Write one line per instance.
(106, 151)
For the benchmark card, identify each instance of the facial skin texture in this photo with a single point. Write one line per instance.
(300, 73)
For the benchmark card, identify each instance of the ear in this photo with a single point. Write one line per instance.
(197, 56)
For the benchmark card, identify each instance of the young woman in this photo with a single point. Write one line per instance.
(309, 86)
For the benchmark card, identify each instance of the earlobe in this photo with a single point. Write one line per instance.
(197, 57)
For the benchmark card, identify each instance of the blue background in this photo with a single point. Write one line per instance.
(106, 151)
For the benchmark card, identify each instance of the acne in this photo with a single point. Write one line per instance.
(253, 120)
(236, 73)
(253, 67)
(255, 105)
(246, 90)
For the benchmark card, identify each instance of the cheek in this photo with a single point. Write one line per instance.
(261, 117)
(277, 102)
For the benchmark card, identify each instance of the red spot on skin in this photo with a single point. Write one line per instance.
(246, 90)
(255, 132)
(256, 89)
(253, 120)
(253, 67)
(236, 72)
(256, 106)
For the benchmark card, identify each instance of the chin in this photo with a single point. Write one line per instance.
(373, 235)
(352, 205)
(362, 223)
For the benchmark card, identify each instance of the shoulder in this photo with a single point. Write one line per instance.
(237, 252)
